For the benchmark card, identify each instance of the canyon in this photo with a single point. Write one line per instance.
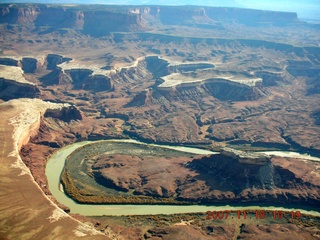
(216, 78)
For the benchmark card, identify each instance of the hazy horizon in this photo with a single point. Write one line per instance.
(304, 9)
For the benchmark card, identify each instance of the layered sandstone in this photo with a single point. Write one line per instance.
(246, 157)
(99, 22)
(20, 121)
(14, 85)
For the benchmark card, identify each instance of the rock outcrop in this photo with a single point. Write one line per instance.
(85, 79)
(54, 59)
(144, 98)
(55, 77)
(221, 89)
(10, 89)
(9, 62)
(231, 176)
(29, 65)
(65, 114)
(13, 84)
(181, 81)
(157, 66)
(246, 157)
(270, 78)
(98, 83)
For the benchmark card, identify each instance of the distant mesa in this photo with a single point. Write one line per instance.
(99, 21)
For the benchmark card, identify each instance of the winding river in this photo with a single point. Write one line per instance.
(56, 163)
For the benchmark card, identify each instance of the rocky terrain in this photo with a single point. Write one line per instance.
(229, 177)
(201, 76)
(26, 212)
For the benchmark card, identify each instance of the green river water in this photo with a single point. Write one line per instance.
(56, 163)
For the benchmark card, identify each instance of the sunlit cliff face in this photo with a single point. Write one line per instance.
(308, 9)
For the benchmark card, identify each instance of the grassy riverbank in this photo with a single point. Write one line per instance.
(85, 196)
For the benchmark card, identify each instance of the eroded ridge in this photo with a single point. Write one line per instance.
(21, 203)
(121, 172)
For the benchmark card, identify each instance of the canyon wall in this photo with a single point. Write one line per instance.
(27, 213)
(10, 89)
(99, 21)
(208, 15)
